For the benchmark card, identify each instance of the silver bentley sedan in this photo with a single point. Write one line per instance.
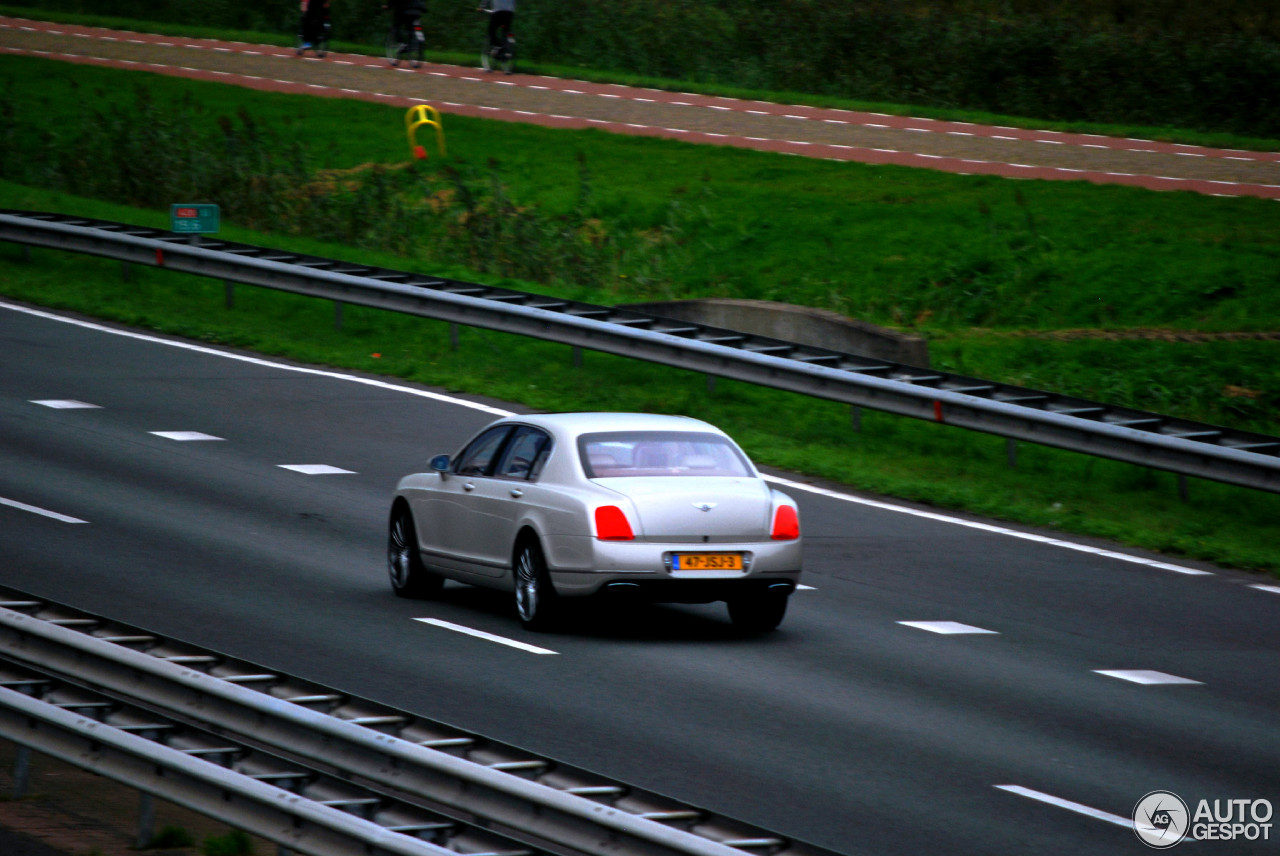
(562, 506)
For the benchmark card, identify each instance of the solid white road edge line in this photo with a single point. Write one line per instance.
(480, 634)
(484, 408)
(987, 527)
(258, 361)
(1068, 805)
(44, 512)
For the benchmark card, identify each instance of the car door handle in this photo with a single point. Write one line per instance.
(468, 487)
(517, 492)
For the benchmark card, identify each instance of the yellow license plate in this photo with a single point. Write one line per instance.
(706, 562)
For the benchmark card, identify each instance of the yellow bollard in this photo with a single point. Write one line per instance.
(419, 115)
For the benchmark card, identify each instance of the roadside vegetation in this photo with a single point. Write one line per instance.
(1162, 301)
(1179, 64)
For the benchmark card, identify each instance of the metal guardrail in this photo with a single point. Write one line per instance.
(301, 825)
(1148, 439)
(294, 755)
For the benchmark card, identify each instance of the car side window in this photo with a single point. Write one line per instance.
(524, 454)
(477, 458)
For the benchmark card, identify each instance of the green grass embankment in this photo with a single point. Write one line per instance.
(991, 271)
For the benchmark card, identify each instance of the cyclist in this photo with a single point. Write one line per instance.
(315, 17)
(405, 17)
(501, 20)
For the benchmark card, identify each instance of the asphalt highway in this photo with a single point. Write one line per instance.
(847, 727)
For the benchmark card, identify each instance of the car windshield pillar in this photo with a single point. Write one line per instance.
(479, 456)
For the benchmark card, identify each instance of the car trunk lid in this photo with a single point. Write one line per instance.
(686, 510)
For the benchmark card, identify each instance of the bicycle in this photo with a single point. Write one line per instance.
(405, 39)
(501, 55)
(314, 29)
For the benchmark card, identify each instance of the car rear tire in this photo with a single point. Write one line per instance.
(409, 577)
(536, 602)
(758, 613)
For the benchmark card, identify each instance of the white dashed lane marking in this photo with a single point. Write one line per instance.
(1261, 587)
(185, 436)
(488, 637)
(65, 404)
(316, 469)
(948, 628)
(1146, 677)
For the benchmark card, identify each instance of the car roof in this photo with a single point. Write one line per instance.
(574, 424)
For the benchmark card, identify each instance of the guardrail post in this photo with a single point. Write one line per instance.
(124, 271)
(337, 315)
(453, 337)
(1011, 452)
(711, 384)
(146, 819)
(577, 357)
(231, 293)
(1184, 492)
(21, 772)
(855, 418)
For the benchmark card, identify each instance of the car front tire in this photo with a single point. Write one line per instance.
(757, 613)
(536, 603)
(409, 577)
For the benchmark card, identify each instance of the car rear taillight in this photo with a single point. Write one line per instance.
(786, 524)
(612, 525)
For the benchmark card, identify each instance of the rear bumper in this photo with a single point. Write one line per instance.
(695, 591)
(583, 566)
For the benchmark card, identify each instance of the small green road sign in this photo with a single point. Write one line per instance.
(197, 219)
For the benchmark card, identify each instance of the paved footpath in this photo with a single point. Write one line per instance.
(957, 147)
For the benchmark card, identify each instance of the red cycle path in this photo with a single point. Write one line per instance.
(873, 138)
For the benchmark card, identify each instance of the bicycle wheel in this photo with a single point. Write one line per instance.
(395, 47)
(417, 45)
(507, 55)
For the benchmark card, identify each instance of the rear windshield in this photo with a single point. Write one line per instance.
(616, 454)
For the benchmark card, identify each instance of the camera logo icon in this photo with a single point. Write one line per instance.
(1160, 819)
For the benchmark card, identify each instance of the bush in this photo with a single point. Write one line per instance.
(170, 837)
(234, 843)
(267, 180)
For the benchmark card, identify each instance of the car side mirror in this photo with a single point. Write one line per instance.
(440, 463)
